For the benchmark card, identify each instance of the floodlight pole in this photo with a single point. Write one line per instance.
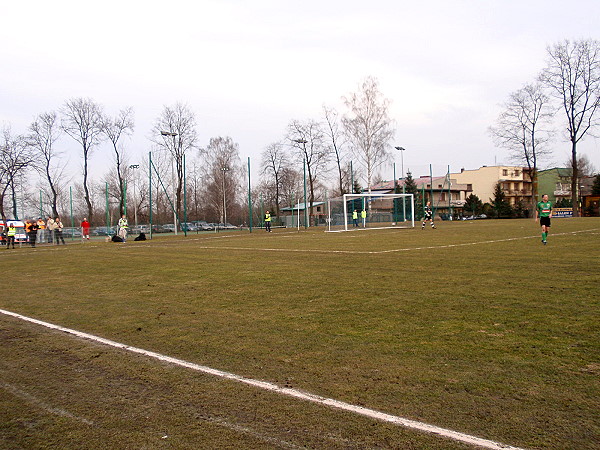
(150, 190)
(173, 135)
(401, 150)
(304, 142)
(133, 167)
(224, 169)
(249, 198)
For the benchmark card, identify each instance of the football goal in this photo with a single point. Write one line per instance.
(370, 211)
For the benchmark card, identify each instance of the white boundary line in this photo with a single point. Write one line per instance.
(379, 252)
(370, 413)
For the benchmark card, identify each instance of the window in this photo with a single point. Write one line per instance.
(517, 173)
(318, 209)
(504, 172)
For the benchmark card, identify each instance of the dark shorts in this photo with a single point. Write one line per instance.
(545, 221)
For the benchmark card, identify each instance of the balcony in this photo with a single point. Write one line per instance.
(562, 193)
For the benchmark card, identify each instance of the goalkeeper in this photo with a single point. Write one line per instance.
(428, 216)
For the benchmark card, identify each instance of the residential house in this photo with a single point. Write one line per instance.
(515, 181)
(446, 194)
(555, 182)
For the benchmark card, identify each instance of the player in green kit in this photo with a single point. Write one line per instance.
(544, 213)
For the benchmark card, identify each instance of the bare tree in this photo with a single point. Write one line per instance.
(44, 131)
(336, 143)
(175, 132)
(82, 120)
(15, 157)
(368, 127)
(522, 129)
(573, 76)
(274, 160)
(307, 137)
(585, 168)
(114, 129)
(223, 172)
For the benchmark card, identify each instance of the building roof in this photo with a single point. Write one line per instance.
(420, 182)
(300, 206)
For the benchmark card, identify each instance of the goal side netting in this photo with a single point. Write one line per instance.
(370, 211)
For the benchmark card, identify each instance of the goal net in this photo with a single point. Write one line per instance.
(370, 211)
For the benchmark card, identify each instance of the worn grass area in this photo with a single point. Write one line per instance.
(497, 339)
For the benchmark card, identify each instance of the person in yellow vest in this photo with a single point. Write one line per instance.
(10, 235)
(268, 221)
(42, 230)
(363, 215)
(355, 218)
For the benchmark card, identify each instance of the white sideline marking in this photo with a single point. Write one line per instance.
(39, 403)
(371, 413)
(378, 252)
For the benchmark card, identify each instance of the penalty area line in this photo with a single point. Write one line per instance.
(267, 386)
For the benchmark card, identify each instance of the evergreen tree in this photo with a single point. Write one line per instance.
(596, 185)
(499, 203)
(473, 205)
(410, 187)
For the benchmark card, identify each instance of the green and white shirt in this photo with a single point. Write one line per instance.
(544, 209)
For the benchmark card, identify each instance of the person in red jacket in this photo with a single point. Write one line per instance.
(85, 229)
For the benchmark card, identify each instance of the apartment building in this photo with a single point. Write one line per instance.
(515, 181)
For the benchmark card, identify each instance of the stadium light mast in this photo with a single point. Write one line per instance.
(304, 142)
(134, 167)
(224, 169)
(401, 150)
(169, 133)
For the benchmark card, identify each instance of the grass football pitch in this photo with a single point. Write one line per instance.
(474, 327)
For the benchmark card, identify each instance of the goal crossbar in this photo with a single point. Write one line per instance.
(385, 214)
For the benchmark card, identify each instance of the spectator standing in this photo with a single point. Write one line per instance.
(10, 235)
(32, 230)
(123, 225)
(50, 226)
(85, 229)
(58, 228)
(41, 229)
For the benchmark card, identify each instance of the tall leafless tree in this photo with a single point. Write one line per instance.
(82, 120)
(175, 132)
(308, 138)
(369, 127)
(274, 160)
(336, 143)
(523, 129)
(573, 76)
(223, 175)
(15, 158)
(114, 129)
(44, 131)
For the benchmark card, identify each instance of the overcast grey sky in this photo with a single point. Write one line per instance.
(246, 68)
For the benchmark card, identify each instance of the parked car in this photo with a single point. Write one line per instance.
(189, 226)
(21, 235)
(72, 232)
(104, 231)
(160, 229)
(140, 229)
(170, 227)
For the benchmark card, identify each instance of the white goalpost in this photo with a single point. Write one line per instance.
(370, 212)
